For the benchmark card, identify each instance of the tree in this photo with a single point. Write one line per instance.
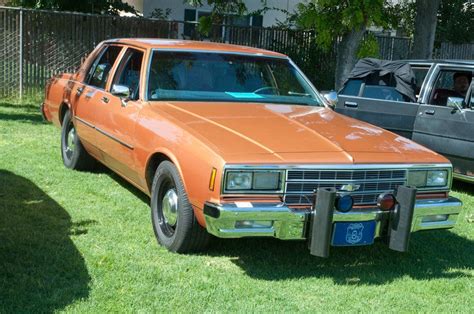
(455, 22)
(344, 23)
(425, 28)
(87, 6)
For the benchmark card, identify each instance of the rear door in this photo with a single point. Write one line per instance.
(86, 97)
(446, 130)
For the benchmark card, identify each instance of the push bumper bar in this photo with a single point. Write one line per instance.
(236, 220)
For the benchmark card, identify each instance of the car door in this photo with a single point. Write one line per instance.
(444, 129)
(392, 113)
(118, 114)
(86, 98)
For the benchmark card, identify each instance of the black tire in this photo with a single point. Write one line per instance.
(182, 234)
(73, 154)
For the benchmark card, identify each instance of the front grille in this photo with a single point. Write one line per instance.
(300, 184)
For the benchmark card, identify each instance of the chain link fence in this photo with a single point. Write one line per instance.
(39, 44)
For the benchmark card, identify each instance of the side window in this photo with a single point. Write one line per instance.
(470, 97)
(128, 73)
(420, 75)
(352, 87)
(100, 70)
(450, 83)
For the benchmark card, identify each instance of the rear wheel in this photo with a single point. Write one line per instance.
(174, 223)
(73, 153)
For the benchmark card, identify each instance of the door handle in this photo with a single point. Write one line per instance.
(351, 104)
(105, 99)
(430, 112)
(79, 91)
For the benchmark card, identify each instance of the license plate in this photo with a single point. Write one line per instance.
(353, 233)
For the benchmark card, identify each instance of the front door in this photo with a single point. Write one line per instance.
(447, 130)
(117, 116)
(394, 115)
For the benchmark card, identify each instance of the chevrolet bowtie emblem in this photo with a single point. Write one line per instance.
(350, 187)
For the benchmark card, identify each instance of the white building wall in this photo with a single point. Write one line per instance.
(177, 7)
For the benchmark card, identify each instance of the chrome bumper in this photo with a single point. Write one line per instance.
(282, 222)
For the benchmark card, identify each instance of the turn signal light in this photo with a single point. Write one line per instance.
(386, 201)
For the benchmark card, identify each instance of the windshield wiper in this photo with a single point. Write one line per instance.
(298, 94)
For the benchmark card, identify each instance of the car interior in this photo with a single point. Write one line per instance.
(444, 87)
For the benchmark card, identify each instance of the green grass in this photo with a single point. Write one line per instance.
(83, 242)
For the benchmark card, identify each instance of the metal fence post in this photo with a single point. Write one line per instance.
(21, 54)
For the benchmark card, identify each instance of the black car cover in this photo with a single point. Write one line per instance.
(382, 72)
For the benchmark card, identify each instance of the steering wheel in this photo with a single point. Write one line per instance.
(265, 88)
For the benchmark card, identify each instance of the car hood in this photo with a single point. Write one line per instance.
(249, 132)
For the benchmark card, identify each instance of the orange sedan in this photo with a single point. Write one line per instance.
(235, 141)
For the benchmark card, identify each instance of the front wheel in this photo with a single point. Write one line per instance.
(174, 223)
(73, 153)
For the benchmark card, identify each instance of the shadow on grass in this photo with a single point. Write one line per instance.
(22, 117)
(24, 113)
(41, 270)
(24, 106)
(463, 187)
(432, 255)
(100, 168)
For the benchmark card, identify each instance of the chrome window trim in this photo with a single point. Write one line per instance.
(348, 167)
(433, 76)
(463, 177)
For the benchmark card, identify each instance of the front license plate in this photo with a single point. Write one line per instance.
(353, 233)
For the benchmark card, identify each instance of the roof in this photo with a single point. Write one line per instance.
(444, 61)
(150, 43)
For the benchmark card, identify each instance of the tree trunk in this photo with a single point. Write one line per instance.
(347, 55)
(425, 28)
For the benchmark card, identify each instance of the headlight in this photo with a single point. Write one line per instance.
(239, 181)
(253, 181)
(428, 178)
(437, 178)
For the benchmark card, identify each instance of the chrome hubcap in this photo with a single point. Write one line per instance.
(71, 143)
(170, 207)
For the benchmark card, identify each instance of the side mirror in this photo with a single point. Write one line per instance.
(331, 98)
(121, 91)
(456, 103)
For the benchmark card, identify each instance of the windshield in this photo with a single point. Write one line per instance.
(202, 76)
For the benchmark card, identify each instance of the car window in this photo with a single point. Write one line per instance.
(351, 88)
(420, 75)
(98, 77)
(382, 92)
(128, 73)
(203, 76)
(450, 83)
(470, 97)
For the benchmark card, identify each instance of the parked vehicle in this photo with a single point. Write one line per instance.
(233, 141)
(430, 102)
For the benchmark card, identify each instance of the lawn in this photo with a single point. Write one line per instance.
(83, 242)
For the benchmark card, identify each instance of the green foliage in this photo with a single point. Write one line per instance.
(333, 18)
(455, 21)
(90, 6)
(369, 47)
(402, 15)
